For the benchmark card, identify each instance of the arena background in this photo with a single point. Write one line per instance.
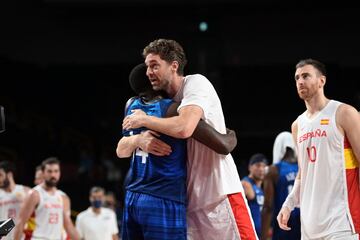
(64, 66)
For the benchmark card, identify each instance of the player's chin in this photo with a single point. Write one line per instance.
(302, 96)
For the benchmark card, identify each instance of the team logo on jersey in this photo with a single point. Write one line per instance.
(324, 121)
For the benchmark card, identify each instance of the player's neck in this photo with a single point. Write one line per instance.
(315, 105)
(48, 189)
(175, 86)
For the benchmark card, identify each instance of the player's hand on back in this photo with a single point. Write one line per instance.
(150, 143)
(134, 120)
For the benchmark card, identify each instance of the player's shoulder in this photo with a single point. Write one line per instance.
(23, 187)
(197, 81)
(130, 101)
(62, 193)
(345, 109)
(196, 78)
(246, 182)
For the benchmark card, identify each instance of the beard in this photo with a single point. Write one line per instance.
(5, 184)
(52, 182)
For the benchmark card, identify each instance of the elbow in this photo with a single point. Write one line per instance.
(121, 152)
(225, 149)
(184, 131)
(183, 134)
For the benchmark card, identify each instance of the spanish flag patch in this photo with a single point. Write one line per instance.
(324, 121)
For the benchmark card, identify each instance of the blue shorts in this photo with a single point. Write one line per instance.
(148, 217)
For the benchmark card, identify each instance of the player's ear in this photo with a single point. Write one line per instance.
(174, 66)
(322, 81)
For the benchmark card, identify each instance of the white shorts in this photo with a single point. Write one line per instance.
(229, 219)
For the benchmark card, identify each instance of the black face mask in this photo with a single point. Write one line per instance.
(96, 203)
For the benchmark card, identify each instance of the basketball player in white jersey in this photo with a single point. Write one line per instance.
(30, 224)
(50, 207)
(327, 136)
(12, 195)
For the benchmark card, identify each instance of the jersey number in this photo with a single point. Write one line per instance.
(53, 218)
(311, 152)
(142, 154)
(11, 213)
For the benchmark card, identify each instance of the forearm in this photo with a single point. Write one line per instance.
(266, 216)
(220, 143)
(177, 126)
(18, 231)
(70, 229)
(293, 199)
(73, 234)
(126, 146)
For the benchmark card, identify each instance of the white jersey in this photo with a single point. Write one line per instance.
(10, 203)
(210, 176)
(92, 226)
(48, 215)
(327, 166)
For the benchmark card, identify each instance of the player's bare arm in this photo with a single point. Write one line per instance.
(249, 191)
(207, 135)
(68, 224)
(181, 126)
(27, 208)
(147, 141)
(348, 122)
(293, 198)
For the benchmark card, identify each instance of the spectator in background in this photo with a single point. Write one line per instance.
(116, 205)
(97, 222)
(252, 187)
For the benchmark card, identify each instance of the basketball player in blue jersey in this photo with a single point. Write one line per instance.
(277, 185)
(252, 187)
(155, 199)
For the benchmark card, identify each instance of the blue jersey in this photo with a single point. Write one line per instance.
(163, 176)
(256, 204)
(287, 174)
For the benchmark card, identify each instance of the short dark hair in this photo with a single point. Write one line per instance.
(258, 157)
(49, 161)
(138, 80)
(315, 63)
(168, 50)
(8, 166)
(96, 189)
